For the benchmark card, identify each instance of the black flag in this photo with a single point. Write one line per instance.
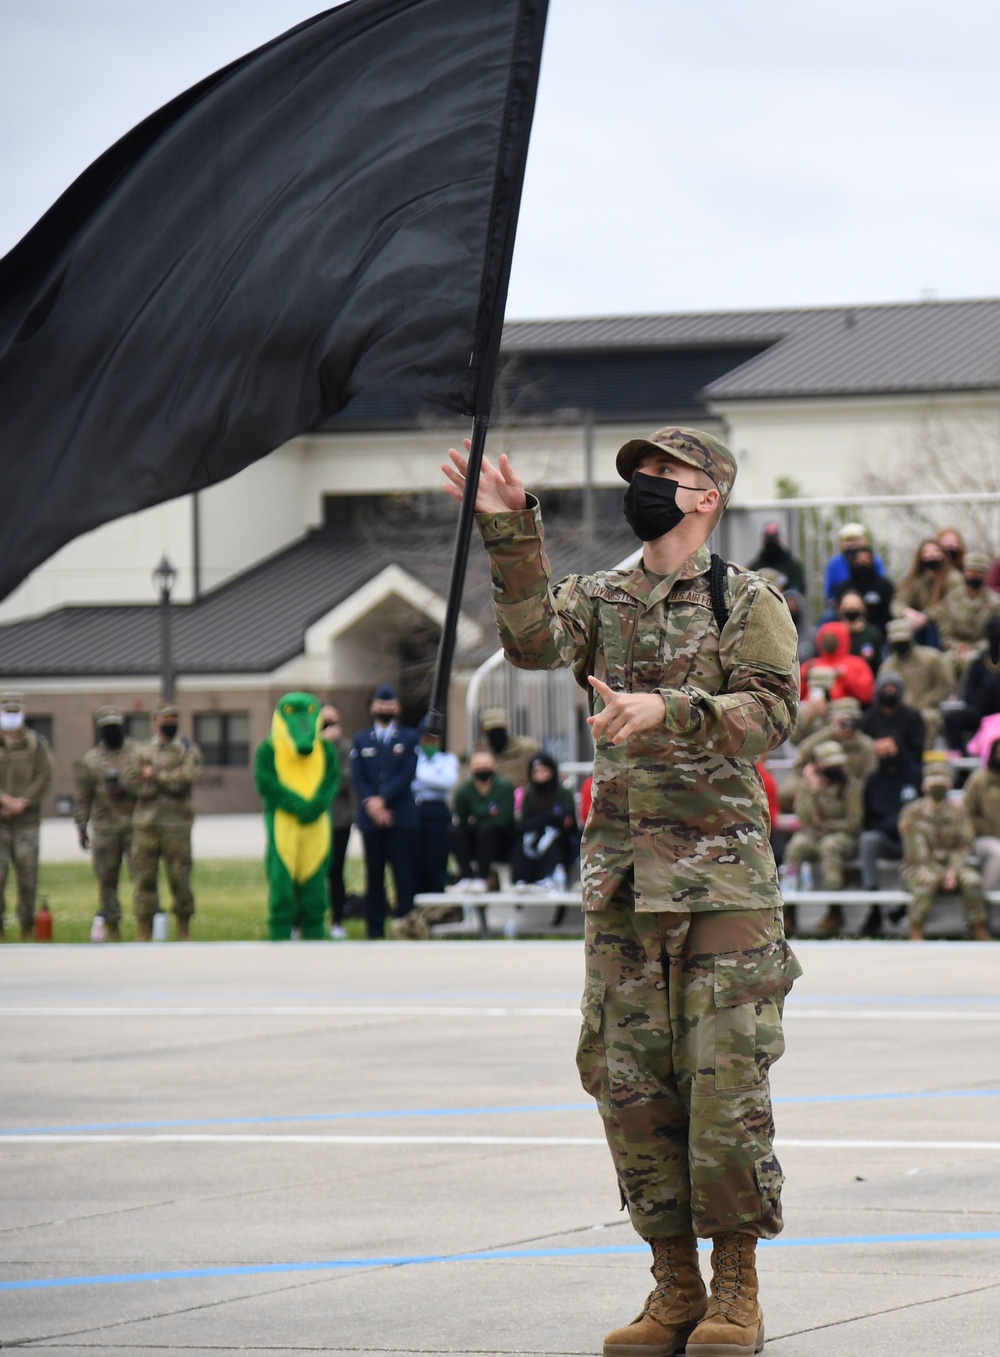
(332, 214)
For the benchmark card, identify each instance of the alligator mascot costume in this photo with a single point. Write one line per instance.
(296, 776)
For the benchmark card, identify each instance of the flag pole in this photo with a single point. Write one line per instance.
(520, 108)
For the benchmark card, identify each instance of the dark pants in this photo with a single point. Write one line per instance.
(431, 863)
(338, 856)
(535, 856)
(388, 847)
(477, 847)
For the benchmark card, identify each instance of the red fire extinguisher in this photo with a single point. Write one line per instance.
(43, 921)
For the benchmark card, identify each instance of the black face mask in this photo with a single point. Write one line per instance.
(497, 740)
(835, 776)
(863, 575)
(772, 552)
(851, 616)
(168, 729)
(975, 581)
(994, 765)
(482, 775)
(829, 645)
(932, 565)
(113, 736)
(902, 647)
(888, 700)
(651, 508)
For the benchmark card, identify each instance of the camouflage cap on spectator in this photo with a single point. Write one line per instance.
(168, 709)
(697, 449)
(829, 754)
(109, 716)
(11, 701)
(494, 718)
(938, 773)
(774, 577)
(822, 676)
(977, 563)
(846, 706)
(900, 629)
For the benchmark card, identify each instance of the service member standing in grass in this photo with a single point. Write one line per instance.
(693, 676)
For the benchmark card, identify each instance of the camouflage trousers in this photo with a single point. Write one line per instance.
(924, 882)
(19, 845)
(108, 849)
(830, 850)
(681, 1022)
(172, 843)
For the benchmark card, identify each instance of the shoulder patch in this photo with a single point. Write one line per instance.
(769, 639)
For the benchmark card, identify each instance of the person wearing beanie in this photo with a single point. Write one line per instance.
(691, 669)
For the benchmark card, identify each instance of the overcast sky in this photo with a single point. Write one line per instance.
(686, 154)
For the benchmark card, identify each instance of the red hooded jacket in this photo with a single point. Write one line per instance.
(854, 675)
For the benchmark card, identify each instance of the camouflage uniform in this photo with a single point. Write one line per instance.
(161, 824)
(928, 676)
(937, 838)
(687, 966)
(103, 798)
(862, 759)
(25, 771)
(963, 620)
(831, 821)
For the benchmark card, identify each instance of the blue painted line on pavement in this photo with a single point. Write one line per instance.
(482, 1256)
(422, 1112)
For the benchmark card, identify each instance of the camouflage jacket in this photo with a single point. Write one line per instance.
(859, 748)
(962, 616)
(926, 672)
(938, 833)
(26, 771)
(834, 810)
(682, 807)
(102, 792)
(982, 802)
(165, 798)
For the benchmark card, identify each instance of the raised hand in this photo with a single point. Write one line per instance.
(500, 491)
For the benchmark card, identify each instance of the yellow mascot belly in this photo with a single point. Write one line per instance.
(302, 848)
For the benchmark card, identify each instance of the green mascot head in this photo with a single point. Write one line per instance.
(295, 721)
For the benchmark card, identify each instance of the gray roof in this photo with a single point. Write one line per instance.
(829, 351)
(257, 622)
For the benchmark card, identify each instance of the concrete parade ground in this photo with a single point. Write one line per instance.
(383, 1148)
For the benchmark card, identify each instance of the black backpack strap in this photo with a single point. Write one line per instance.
(717, 590)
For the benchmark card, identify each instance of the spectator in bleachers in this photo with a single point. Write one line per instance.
(931, 585)
(511, 752)
(844, 727)
(833, 651)
(952, 543)
(829, 806)
(774, 555)
(853, 537)
(814, 709)
(546, 836)
(898, 732)
(804, 629)
(981, 691)
(926, 672)
(875, 587)
(982, 801)
(937, 839)
(866, 641)
(483, 831)
(961, 622)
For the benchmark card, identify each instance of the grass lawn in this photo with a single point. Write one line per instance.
(230, 898)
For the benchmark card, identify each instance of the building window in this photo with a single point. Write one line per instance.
(138, 726)
(43, 726)
(223, 738)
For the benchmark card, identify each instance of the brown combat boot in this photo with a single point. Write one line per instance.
(143, 930)
(734, 1324)
(981, 933)
(183, 928)
(916, 932)
(673, 1307)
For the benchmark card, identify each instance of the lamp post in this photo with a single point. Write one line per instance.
(163, 577)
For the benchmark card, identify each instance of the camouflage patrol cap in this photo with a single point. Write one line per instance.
(822, 676)
(494, 718)
(11, 701)
(697, 449)
(168, 709)
(830, 754)
(938, 773)
(977, 563)
(900, 629)
(109, 716)
(846, 706)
